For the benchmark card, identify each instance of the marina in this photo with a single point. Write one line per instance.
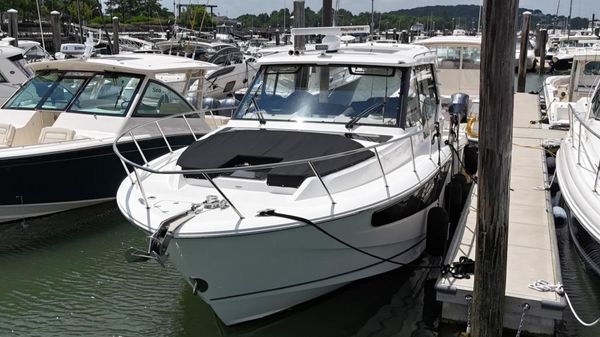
(337, 175)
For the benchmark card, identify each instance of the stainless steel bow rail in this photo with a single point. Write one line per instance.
(572, 117)
(137, 178)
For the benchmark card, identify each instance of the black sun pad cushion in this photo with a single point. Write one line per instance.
(234, 147)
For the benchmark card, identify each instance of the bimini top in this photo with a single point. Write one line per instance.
(131, 63)
(451, 40)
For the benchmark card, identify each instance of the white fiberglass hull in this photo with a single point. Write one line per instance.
(14, 213)
(271, 271)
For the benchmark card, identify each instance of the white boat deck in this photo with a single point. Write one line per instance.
(532, 248)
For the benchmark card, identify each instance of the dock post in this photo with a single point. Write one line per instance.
(495, 156)
(538, 28)
(56, 36)
(277, 37)
(523, 52)
(327, 18)
(299, 21)
(115, 30)
(13, 26)
(542, 47)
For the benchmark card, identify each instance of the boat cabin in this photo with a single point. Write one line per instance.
(97, 97)
(13, 71)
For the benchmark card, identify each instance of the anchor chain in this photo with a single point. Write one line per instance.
(526, 308)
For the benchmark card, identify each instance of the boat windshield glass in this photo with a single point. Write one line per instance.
(105, 93)
(87, 92)
(48, 91)
(331, 94)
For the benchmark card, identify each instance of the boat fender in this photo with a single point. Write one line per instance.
(471, 154)
(453, 201)
(551, 164)
(560, 216)
(438, 226)
(556, 199)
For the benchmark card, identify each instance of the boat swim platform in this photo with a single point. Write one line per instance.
(532, 245)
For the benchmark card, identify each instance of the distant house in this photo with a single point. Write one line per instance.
(417, 27)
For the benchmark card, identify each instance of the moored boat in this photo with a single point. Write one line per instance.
(325, 175)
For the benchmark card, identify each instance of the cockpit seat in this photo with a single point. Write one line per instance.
(7, 134)
(55, 134)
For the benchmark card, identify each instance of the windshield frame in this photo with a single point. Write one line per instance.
(249, 98)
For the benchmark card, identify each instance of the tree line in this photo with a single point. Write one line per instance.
(152, 12)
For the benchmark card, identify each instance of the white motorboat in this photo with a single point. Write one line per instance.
(577, 170)
(234, 72)
(564, 90)
(57, 130)
(458, 60)
(13, 72)
(308, 187)
(567, 46)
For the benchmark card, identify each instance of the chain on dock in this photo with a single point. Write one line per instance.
(545, 286)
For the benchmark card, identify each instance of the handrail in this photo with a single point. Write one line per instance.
(250, 167)
(581, 122)
(207, 172)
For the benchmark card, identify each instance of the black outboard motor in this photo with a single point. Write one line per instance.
(228, 105)
(459, 106)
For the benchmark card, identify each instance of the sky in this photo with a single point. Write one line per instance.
(235, 8)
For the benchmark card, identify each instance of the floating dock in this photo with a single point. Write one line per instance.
(532, 245)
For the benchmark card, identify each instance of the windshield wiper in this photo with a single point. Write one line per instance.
(259, 114)
(363, 113)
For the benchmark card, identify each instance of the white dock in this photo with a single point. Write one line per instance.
(532, 247)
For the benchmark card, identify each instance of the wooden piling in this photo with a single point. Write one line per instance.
(542, 47)
(115, 31)
(56, 34)
(277, 37)
(523, 52)
(495, 146)
(299, 21)
(327, 18)
(13, 26)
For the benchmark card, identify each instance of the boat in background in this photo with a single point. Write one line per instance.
(309, 187)
(578, 172)
(458, 69)
(57, 130)
(13, 71)
(563, 92)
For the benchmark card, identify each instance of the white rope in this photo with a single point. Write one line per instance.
(545, 286)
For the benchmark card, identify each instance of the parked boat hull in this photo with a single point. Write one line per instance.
(241, 284)
(36, 185)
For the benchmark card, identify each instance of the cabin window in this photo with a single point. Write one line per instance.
(30, 95)
(448, 57)
(365, 95)
(414, 118)
(108, 94)
(2, 79)
(427, 91)
(471, 57)
(61, 93)
(595, 111)
(158, 99)
(592, 68)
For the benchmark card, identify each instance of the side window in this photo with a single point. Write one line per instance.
(159, 99)
(592, 68)
(426, 90)
(595, 112)
(2, 79)
(413, 111)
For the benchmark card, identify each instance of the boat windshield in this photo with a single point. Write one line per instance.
(87, 92)
(331, 94)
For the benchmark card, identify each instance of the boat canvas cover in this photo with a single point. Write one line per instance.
(231, 148)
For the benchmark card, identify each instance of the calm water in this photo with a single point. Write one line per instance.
(65, 275)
